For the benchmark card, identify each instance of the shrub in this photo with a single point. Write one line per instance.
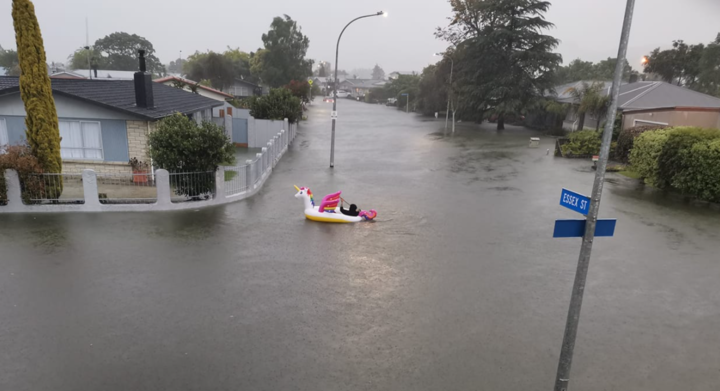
(277, 105)
(181, 145)
(584, 142)
(626, 138)
(701, 176)
(21, 159)
(676, 157)
(645, 153)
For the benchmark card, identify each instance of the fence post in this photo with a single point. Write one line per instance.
(219, 184)
(228, 124)
(286, 124)
(162, 185)
(90, 190)
(14, 194)
(248, 174)
(271, 150)
(263, 166)
(258, 168)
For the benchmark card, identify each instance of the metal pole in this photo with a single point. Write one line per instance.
(407, 102)
(452, 65)
(335, 87)
(563, 373)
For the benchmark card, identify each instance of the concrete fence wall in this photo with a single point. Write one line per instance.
(249, 178)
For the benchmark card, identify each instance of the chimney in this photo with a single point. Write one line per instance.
(94, 68)
(143, 85)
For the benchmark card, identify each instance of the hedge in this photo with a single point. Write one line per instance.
(675, 158)
(626, 139)
(701, 177)
(645, 153)
(584, 142)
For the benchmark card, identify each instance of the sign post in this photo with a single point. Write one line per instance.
(568, 345)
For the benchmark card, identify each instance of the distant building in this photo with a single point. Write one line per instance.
(360, 87)
(93, 74)
(193, 86)
(394, 75)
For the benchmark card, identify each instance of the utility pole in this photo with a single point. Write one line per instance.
(568, 345)
(87, 46)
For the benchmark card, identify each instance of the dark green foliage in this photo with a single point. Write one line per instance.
(277, 105)
(583, 143)
(284, 56)
(9, 61)
(120, 52)
(433, 88)
(578, 70)
(378, 73)
(646, 150)
(701, 177)
(377, 95)
(41, 122)
(181, 145)
(211, 66)
(404, 84)
(674, 159)
(504, 61)
(627, 137)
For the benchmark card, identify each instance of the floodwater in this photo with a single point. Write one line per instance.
(457, 285)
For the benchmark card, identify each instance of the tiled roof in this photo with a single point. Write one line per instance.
(646, 95)
(120, 95)
(190, 82)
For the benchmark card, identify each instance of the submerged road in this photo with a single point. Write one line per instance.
(458, 285)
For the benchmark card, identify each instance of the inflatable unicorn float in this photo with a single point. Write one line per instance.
(329, 209)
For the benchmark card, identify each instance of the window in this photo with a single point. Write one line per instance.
(4, 140)
(80, 140)
(641, 122)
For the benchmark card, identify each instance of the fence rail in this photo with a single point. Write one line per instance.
(126, 188)
(161, 190)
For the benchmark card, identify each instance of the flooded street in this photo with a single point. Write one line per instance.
(457, 285)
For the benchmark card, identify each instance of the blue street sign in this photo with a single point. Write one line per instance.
(576, 228)
(403, 94)
(574, 201)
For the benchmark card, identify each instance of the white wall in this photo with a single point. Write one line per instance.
(66, 107)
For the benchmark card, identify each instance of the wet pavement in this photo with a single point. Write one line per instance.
(458, 285)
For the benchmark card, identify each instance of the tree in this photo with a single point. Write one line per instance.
(120, 51)
(277, 105)
(300, 89)
(323, 71)
(9, 61)
(79, 59)
(378, 73)
(175, 66)
(41, 122)
(681, 64)
(605, 70)
(508, 62)
(709, 75)
(284, 56)
(210, 66)
(240, 63)
(403, 88)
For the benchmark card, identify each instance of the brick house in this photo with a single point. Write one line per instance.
(103, 123)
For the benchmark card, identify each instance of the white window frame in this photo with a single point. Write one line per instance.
(82, 138)
(635, 122)
(4, 129)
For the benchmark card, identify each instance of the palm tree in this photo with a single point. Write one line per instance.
(590, 99)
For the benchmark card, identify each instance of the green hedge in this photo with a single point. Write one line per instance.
(686, 159)
(676, 158)
(584, 142)
(627, 137)
(645, 153)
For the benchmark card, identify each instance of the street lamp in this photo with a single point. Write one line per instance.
(447, 111)
(333, 115)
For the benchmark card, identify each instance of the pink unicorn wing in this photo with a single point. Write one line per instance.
(330, 202)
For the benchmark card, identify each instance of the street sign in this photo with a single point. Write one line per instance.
(403, 94)
(310, 81)
(333, 115)
(574, 201)
(576, 228)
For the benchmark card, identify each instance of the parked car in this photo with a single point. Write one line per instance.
(328, 100)
(342, 94)
(391, 102)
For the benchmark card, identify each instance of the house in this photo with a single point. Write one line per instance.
(326, 84)
(240, 88)
(395, 75)
(103, 123)
(193, 86)
(360, 87)
(93, 74)
(649, 102)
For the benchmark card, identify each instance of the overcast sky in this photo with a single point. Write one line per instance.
(404, 41)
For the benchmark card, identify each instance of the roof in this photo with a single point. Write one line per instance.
(186, 81)
(108, 74)
(365, 83)
(68, 75)
(647, 95)
(120, 95)
(251, 84)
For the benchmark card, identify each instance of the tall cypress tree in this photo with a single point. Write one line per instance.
(41, 121)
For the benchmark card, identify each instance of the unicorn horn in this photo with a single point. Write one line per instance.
(297, 188)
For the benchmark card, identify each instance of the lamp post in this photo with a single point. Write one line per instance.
(335, 87)
(447, 111)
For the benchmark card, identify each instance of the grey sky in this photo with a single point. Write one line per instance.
(589, 29)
